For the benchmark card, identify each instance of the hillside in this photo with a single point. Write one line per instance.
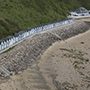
(16, 15)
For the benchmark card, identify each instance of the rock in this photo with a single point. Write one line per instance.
(19, 72)
(0, 58)
(12, 73)
(82, 42)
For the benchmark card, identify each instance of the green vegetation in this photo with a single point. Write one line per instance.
(77, 62)
(16, 15)
(77, 59)
(8, 49)
(81, 73)
(71, 51)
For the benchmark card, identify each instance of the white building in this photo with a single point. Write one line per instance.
(81, 11)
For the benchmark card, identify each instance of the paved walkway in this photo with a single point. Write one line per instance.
(35, 34)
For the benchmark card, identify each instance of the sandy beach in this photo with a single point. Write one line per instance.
(64, 66)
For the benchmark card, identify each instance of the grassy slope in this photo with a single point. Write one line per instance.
(16, 15)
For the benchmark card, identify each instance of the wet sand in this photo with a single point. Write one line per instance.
(64, 66)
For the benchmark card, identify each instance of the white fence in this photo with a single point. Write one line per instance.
(79, 16)
(7, 42)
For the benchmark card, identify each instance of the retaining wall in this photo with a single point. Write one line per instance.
(22, 56)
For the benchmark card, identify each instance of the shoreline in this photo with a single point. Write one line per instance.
(54, 61)
(22, 55)
(63, 65)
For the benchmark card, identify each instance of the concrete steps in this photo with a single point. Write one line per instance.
(4, 70)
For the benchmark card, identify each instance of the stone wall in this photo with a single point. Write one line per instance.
(22, 56)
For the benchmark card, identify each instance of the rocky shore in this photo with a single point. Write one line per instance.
(22, 55)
